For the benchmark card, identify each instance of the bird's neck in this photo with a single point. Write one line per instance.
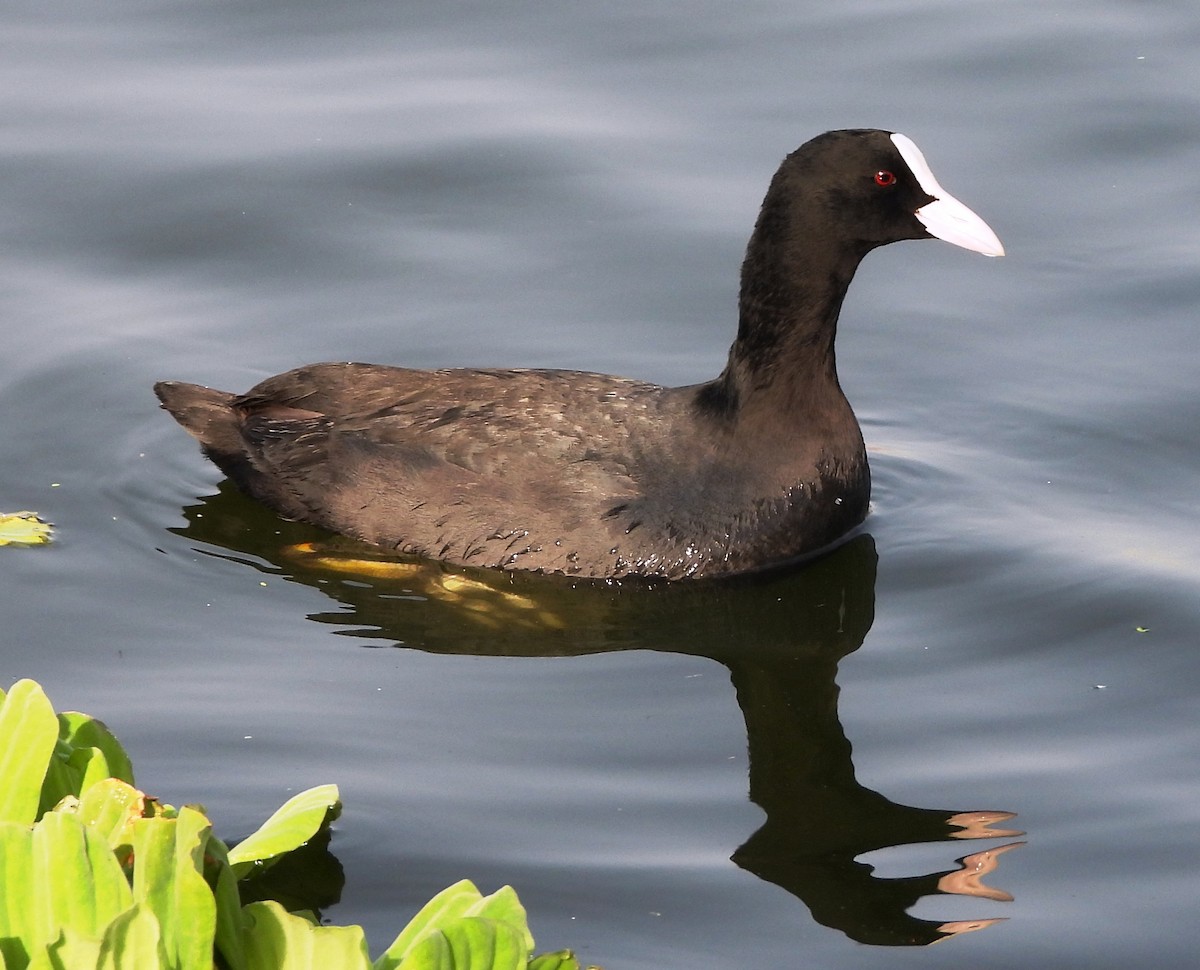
(793, 285)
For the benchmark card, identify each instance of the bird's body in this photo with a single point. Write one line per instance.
(598, 476)
(583, 474)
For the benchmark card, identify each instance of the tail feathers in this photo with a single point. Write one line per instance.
(209, 417)
(206, 414)
(231, 441)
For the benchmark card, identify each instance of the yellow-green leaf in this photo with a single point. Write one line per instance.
(23, 529)
(558, 960)
(451, 903)
(470, 943)
(28, 733)
(133, 941)
(231, 920)
(168, 876)
(277, 940)
(82, 731)
(16, 908)
(73, 950)
(77, 882)
(503, 905)
(110, 808)
(295, 822)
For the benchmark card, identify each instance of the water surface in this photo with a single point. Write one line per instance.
(773, 773)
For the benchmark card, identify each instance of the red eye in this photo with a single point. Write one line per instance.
(885, 179)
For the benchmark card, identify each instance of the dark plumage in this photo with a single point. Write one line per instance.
(600, 476)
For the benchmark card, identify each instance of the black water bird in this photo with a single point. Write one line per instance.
(599, 476)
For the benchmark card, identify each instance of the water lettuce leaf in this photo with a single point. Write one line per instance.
(96, 875)
(293, 824)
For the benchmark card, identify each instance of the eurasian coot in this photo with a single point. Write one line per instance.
(598, 476)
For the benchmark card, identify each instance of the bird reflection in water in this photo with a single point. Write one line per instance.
(781, 636)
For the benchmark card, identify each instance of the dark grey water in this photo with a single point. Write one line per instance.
(215, 192)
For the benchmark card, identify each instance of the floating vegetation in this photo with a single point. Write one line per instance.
(24, 529)
(95, 873)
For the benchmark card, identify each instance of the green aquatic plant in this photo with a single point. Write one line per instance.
(97, 875)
